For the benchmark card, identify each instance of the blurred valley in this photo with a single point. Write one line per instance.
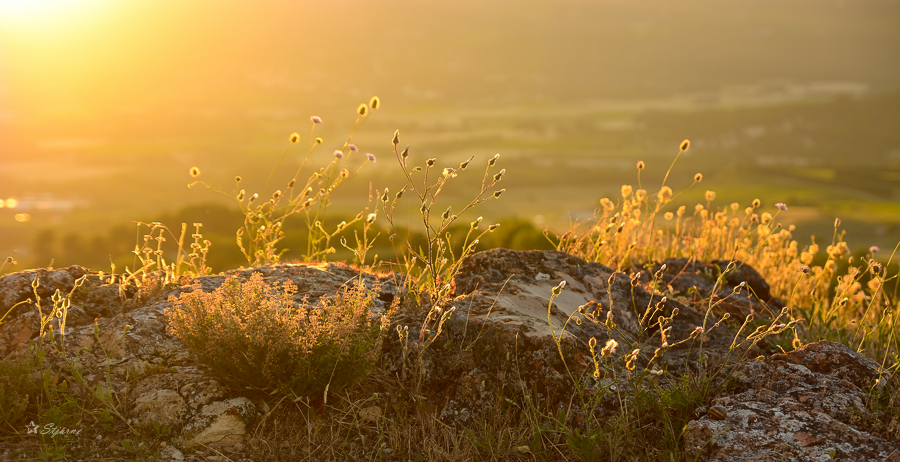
(795, 102)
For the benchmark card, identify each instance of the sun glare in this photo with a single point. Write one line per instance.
(38, 15)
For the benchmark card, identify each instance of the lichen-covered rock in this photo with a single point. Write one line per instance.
(794, 407)
(221, 424)
(161, 407)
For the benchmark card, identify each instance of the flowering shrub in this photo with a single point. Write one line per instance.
(253, 334)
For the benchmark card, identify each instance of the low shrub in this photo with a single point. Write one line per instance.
(253, 334)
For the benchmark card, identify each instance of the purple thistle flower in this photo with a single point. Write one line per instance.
(339, 154)
(316, 119)
(370, 156)
(781, 206)
(353, 147)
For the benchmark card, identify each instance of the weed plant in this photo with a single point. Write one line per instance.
(264, 218)
(642, 227)
(275, 344)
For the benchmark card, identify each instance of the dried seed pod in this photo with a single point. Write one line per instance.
(717, 412)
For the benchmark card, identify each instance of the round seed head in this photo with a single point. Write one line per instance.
(295, 137)
(318, 140)
(338, 154)
(316, 119)
(370, 157)
(640, 165)
(781, 206)
(710, 196)
(430, 162)
(352, 147)
(375, 102)
(698, 177)
(756, 203)
(685, 145)
(194, 172)
(362, 109)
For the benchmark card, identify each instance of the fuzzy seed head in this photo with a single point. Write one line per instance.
(371, 218)
(194, 172)
(710, 196)
(640, 165)
(756, 203)
(781, 206)
(665, 194)
(338, 154)
(685, 145)
(362, 109)
(370, 157)
(375, 102)
(698, 177)
(316, 119)
(430, 162)
(295, 137)
(352, 147)
(626, 190)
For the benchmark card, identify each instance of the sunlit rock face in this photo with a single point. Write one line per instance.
(499, 341)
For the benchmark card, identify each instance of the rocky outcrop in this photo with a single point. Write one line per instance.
(132, 356)
(502, 336)
(794, 406)
(502, 332)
